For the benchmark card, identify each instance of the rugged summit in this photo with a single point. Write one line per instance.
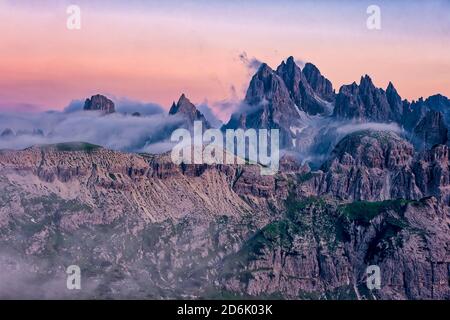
(283, 99)
(99, 103)
(186, 109)
(321, 85)
(308, 88)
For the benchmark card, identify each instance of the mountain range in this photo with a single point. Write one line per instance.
(364, 180)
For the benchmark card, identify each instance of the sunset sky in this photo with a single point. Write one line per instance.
(152, 51)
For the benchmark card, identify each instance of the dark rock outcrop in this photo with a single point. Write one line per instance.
(432, 172)
(372, 166)
(365, 102)
(321, 85)
(307, 97)
(431, 129)
(99, 103)
(269, 106)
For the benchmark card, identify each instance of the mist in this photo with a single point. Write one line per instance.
(116, 131)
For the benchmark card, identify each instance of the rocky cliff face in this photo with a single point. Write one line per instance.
(99, 103)
(140, 226)
(321, 85)
(365, 102)
(310, 91)
(431, 129)
(376, 166)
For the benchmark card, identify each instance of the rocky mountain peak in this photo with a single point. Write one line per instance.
(438, 100)
(264, 70)
(366, 102)
(366, 83)
(309, 90)
(321, 85)
(185, 108)
(99, 103)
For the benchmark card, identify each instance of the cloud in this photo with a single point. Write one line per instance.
(74, 106)
(350, 128)
(252, 64)
(125, 105)
(22, 107)
(209, 115)
(115, 131)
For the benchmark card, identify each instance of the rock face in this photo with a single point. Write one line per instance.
(99, 103)
(141, 227)
(308, 88)
(321, 85)
(320, 250)
(432, 172)
(372, 166)
(283, 99)
(377, 166)
(186, 109)
(431, 129)
(439, 103)
(269, 106)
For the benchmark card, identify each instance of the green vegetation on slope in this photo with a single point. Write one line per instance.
(365, 211)
(76, 146)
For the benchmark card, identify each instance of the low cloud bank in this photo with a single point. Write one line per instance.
(350, 128)
(115, 131)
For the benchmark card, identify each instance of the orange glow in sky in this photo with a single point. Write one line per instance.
(156, 53)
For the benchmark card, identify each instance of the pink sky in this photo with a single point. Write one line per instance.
(154, 54)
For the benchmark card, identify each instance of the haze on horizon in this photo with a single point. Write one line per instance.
(153, 51)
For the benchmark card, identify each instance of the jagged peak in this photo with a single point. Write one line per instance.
(366, 79)
(289, 63)
(183, 105)
(312, 67)
(290, 60)
(390, 87)
(187, 109)
(264, 69)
